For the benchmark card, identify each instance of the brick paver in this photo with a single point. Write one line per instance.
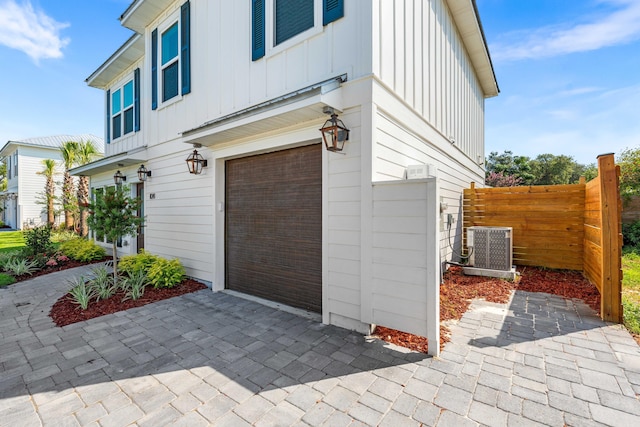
(216, 359)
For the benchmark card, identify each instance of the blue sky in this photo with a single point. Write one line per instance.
(568, 70)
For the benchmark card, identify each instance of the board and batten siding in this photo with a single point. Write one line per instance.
(224, 79)
(134, 139)
(420, 56)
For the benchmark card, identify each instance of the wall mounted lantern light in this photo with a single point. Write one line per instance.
(119, 177)
(195, 161)
(143, 173)
(334, 132)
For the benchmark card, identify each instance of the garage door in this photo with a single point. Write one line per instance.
(274, 226)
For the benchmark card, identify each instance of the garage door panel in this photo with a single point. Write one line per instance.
(274, 226)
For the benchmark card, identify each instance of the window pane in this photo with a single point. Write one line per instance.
(128, 121)
(128, 94)
(117, 126)
(292, 17)
(170, 81)
(170, 44)
(115, 102)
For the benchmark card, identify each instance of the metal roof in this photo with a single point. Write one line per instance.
(55, 141)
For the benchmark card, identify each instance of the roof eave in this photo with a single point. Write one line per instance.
(142, 13)
(130, 52)
(467, 19)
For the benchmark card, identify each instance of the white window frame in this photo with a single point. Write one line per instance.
(129, 79)
(270, 33)
(166, 24)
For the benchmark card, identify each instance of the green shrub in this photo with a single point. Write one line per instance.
(631, 234)
(141, 262)
(166, 274)
(19, 266)
(38, 240)
(5, 257)
(60, 236)
(82, 250)
(6, 279)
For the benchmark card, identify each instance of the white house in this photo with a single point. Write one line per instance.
(273, 213)
(22, 200)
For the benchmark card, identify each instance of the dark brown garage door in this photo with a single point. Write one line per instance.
(274, 226)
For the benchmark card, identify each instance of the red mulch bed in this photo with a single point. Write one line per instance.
(65, 266)
(65, 311)
(457, 291)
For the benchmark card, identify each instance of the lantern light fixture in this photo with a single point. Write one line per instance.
(195, 161)
(118, 177)
(334, 132)
(143, 173)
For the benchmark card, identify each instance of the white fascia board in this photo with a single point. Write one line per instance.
(465, 15)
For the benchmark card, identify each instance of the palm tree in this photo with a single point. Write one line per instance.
(69, 151)
(87, 151)
(49, 171)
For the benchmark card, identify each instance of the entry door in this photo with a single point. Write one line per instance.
(140, 195)
(274, 226)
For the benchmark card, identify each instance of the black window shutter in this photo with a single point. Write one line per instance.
(136, 99)
(154, 69)
(185, 28)
(108, 121)
(332, 10)
(257, 29)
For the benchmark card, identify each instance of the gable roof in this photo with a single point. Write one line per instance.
(54, 142)
(130, 52)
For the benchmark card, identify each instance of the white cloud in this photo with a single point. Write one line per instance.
(30, 30)
(618, 27)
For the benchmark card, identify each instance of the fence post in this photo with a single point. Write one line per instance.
(611, 301)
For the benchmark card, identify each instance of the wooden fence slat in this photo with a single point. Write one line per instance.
(573, 227)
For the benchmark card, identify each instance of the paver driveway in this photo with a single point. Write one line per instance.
(216, 359)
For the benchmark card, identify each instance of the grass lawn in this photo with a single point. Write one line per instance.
(631, 289)
(11, 240)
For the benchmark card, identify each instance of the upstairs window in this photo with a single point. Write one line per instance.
(170, 62)
(123, 108)
(290, 18)
(171, 58)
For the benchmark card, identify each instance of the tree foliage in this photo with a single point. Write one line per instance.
(507, 169)
(114, 215)
(629, 162)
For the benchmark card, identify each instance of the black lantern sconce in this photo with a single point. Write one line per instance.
(195, 161)
(119, 177)
(143, 173)
(334, 132)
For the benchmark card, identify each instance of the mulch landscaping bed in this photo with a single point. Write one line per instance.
(60, 267)
(457, 291)
(65, 311)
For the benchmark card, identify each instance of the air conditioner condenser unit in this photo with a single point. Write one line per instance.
(491, 252)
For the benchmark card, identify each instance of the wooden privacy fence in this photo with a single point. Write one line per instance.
(575, 227)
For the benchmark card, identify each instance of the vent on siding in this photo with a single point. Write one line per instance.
(492, 247)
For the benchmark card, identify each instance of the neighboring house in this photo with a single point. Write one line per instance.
(274, 214)
(24, 197)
